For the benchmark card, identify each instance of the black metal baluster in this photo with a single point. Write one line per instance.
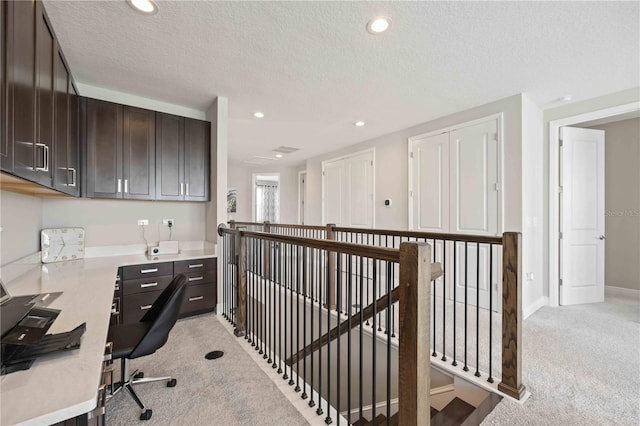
(328, 420)
(455, 300)
(312, 288)
(280, 356)
(321, 255)
(298, 271)
(389, 278)
(349, 303)
(373, 344)
(444, 300)
(466, 307)
(285, 376)
(339, 363)
(304, 319)
(263, 305)
(291, 278)
(272, 306)
(361, 335)
(477, 373)
(490, 379)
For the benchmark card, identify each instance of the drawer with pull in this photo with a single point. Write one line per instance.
(136, 305)
(198, 299)
(195, 278)
(135, 272)
(146, 284)
(196, 265)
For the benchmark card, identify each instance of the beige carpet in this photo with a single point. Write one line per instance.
(232, 390)
(582, 366)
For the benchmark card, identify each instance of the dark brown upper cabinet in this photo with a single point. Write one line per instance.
(182, 158)
(65, 174)
(120, 151)
(38, 139)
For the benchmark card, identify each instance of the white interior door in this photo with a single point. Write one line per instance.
(582, 216)
(348, 191)
(474, 179)
(430, 183)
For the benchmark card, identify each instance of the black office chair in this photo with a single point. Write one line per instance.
(145, 337)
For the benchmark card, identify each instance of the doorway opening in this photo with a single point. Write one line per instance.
(266, 197)
(588, 203)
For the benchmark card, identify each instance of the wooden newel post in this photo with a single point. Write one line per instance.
(414, 381)
(511, 383)
(266, 258)
(241, 282)
(330, 263)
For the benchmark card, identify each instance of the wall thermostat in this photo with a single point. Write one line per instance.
(387, 202)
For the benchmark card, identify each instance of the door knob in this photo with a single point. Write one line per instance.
(602, 237)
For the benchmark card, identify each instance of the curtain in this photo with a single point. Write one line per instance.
(267, 208)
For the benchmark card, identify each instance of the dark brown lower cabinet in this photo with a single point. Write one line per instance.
(142, 284)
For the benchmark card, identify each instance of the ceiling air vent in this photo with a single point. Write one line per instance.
(259, 160)
(285, 149)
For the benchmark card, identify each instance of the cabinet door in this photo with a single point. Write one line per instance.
(139, 170)
(21, 68)
(61, 178)
(6, 149)
(45, 54)
(169, 157)
(103, 127)
(74, 141)
(197, 136)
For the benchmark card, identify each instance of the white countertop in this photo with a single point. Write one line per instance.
(65, 385)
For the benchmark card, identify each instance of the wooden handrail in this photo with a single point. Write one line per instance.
(373, 252)
(486, 239)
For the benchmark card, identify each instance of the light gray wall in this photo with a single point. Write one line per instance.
(391, 164)
(21, 221)
(240, 178)
(622, 203)
(115, 222)
(216, 209)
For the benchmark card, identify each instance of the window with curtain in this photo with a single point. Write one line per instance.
(267, 200)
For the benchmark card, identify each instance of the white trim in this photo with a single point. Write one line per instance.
(373, 179)
(627, 293)
(253, 193)
(500, 152)
(527, 311)
(300, 212)
(554, 179)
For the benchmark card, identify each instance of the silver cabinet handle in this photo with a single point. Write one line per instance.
(193, 299)
(196, 279)
(199, 265)
(181, 188)
(119, 186)
(148, 271)
(74, 176)
(145, 307)
(148, 285)
(187, 186)
(126, 186)
(45, 158)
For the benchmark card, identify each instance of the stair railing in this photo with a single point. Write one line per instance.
(478, 332)
(283, 312)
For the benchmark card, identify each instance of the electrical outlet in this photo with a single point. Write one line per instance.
(168, 222)
(143, 222)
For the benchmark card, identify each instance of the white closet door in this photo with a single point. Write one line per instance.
(348, 191)
(334, 192)
(430, 186)
(360, 190)
(473, 179)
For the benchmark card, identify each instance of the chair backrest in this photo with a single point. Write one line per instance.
(162, 316)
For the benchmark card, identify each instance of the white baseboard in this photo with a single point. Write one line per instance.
(621, 292)
(527, 311)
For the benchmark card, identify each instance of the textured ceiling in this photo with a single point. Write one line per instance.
(312, 68)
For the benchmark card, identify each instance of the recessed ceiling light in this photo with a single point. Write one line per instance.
(278, 155)
(148, 7)
(359, 123)
(379, 24)
(258, 114)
